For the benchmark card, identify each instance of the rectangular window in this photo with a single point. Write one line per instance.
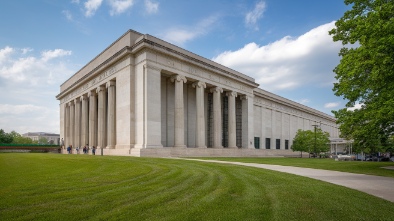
(267, 143)
(257, 142)
(278, 144)
(286, 144)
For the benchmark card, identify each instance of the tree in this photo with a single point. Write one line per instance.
(42, 140)
(365, 73)
(302, 141)
(5, 137)
(310, 141)
(19, 139)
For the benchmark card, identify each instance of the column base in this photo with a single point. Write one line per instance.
(203, 147)
(180, 146)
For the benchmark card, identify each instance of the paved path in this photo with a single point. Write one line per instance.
(379, 186)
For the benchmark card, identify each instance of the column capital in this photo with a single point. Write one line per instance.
(216, 89)
(92, 93)
(231, 94)
(83, 97)
(178, 78)
(199, 84)
(110, 83)
(71, 103)
(100, 88)
(244, 97)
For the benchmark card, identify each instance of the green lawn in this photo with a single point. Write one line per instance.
(363, 167)
(83, 187)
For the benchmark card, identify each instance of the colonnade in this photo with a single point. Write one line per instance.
(90, 119)
(179, 136)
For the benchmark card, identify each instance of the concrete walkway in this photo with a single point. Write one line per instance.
(379, 186)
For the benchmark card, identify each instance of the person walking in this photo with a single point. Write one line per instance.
(69, 149)
(94, 150)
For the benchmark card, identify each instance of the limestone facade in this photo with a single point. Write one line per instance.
(145, 97)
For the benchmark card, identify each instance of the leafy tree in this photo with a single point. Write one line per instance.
(311, 142)
(302, 141)
(43, 140)
(365, 73)
(19, 139)
(5, 137)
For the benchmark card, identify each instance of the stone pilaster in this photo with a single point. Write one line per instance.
(84, 121)
(101, 120)
(232, 133)
(273, 129)
(179, 111)
(200, 127)
(111, 114)
(92, 118)
(72, 121)
(247, 122)
(217, 117)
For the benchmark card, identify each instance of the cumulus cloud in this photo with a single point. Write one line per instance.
(180, 36)
(91, 7)
(151, 7)
(289, 63)
(331, 105)
(303, 101)
(119, 6)
(253, 16)
(29, 82)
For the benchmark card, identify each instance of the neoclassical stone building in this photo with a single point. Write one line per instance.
(143, 96)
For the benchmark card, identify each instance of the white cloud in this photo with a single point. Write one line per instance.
(48, 55)
(356, 106)
(68, 15)
(331, 105)
(304, 101)
(288, 63)
(91, 7)
(253, 16)
(75, 1)
(29, 82)
(119, 6)
(180, 36)
(19, 109)
(151, 7)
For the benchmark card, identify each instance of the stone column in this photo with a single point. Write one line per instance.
(101, 121)
(232, 133)
(72, 121)
(84, 121)
(200, 127)
(67, 123)
(217, 118)
(179, 111)
(77, 124)
(92, 118)
(111, 114)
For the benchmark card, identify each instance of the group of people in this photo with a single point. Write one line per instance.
(85, 149)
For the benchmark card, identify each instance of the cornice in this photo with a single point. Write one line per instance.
(284, 101)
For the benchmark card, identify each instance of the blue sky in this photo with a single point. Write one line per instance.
(283, 44)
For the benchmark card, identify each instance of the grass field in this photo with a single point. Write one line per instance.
(83, 187)
(362, 167)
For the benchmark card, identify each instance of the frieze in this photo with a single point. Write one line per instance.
(98, 79)
(196, 71)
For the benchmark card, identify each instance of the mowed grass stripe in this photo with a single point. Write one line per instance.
(83, 187)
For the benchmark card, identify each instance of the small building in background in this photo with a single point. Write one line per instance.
(50, 137)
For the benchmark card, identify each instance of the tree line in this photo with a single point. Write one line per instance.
(15, 138)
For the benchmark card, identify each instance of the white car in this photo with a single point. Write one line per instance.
(392, 159)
